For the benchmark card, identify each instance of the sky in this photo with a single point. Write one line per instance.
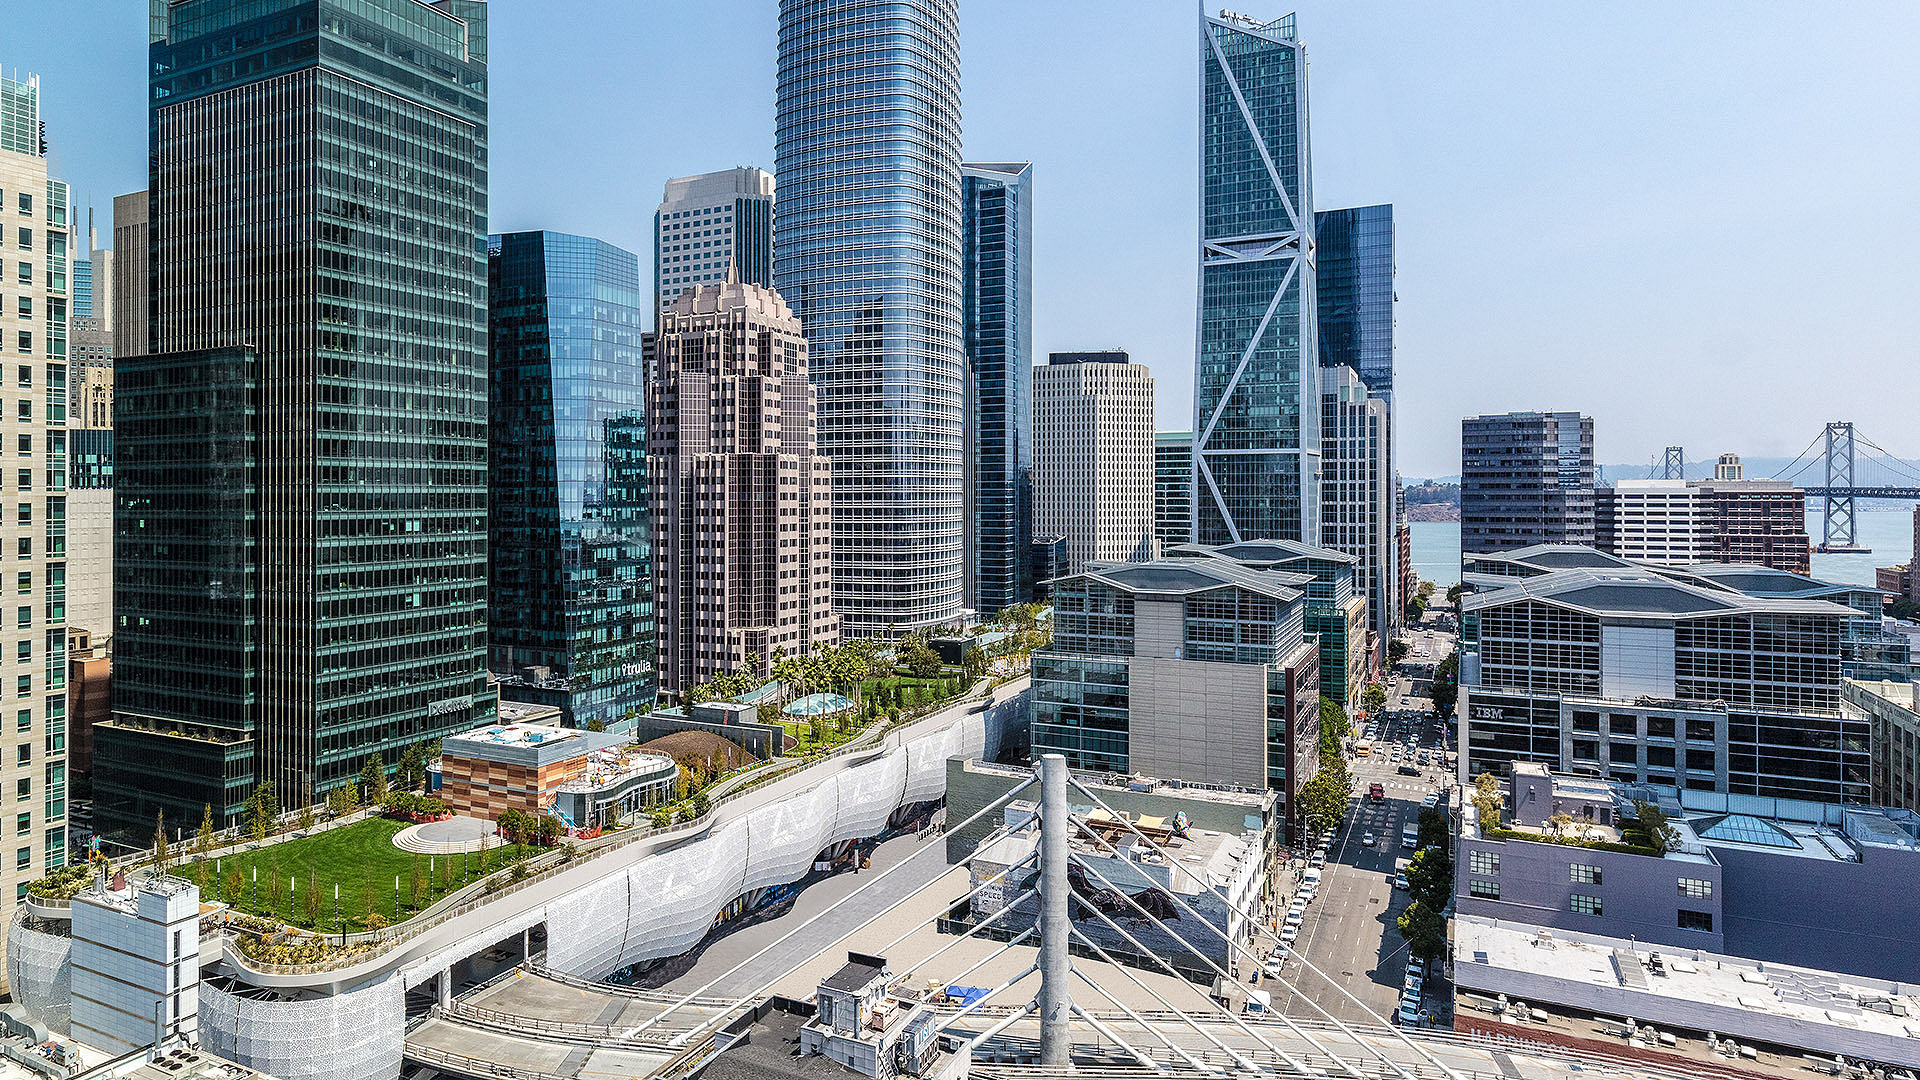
(1696, 223)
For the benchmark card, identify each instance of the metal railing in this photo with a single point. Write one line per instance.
(393, 936)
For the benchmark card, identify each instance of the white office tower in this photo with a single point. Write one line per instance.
(136, 963)
(1650, 521)
(1357, 490)
(710, 223)
(1093, 457)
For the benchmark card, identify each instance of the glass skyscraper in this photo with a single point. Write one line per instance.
(301, 468)
(1353, 259)
(867, 252)
(997, 260)
(1256, 434)
(1172, 488)
(570, 594)
(1354, 264)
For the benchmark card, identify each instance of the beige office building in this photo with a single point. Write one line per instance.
(741, 494)
(1093, 457)
(34, 296)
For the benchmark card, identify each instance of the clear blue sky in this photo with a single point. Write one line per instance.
(1698, 223)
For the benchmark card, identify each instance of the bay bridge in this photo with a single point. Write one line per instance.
(1832, 468)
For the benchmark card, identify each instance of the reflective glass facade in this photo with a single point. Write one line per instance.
(1172, 487)
(570, 619)
(997, 260)
(1256, 389)
(867, 252)
(1353, 262)
(318, 191)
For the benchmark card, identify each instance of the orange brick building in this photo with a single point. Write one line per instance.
(586, 777)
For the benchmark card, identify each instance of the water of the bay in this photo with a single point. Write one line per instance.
(1436, 547)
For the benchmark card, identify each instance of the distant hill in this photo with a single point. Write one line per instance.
(1433, 502)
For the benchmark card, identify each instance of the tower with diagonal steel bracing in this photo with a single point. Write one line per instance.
(1256, 393)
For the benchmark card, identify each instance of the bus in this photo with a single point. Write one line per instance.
(1363, 748)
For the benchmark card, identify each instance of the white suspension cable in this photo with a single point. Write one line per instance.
(1304, 962)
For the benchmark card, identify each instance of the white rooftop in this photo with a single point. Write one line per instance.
(1799, 1007)
(516, 734)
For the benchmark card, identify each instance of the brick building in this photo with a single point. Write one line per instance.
(586, 777)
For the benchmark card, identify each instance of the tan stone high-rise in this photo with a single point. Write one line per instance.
(741, 494)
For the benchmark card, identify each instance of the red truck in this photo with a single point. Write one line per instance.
(1376, 793)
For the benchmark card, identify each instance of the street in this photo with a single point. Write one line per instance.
(1348, 930)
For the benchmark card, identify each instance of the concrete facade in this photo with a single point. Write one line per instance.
(39, 239)
(1358, 493)
(742, 497)
(711, 225)
(1893, 710)
(136, 963)
(1780, 881)
(1093, 456)
(1191, 669)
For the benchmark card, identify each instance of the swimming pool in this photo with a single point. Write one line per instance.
(819, 705)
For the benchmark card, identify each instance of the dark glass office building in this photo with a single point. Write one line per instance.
(1354, 269)
(996, 238)
(300, 474)
(1256, 392)
(570, 573)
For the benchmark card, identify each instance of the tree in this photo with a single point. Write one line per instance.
(1322, 803)
(1430, 878)
(263, 809)
(1433, 829)
(1487, 799)
(1445, 690)
(373, 780)
(921, 661)
(1416, 609)
(1424, 929)
(160, 842)
(1397, 651)
(203, 840)
(752, 663)
(1374, 697)
(1426, 590)
(702, 805)
(1455, 591)
(1653, 824)
(596, 724)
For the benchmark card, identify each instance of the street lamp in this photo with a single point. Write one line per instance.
(336, 915)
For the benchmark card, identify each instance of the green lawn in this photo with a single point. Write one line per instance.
(359, 858)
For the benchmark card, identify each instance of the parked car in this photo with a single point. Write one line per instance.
(1400, 881)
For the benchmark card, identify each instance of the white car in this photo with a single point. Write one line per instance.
(1297, 908)
(1367, 840)
(1289, 933)
(1293, 921)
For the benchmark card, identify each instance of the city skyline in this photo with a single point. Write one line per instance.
(1529, 199)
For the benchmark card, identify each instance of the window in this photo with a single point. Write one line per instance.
(25, 341)
(25, 305)
(1660, 757)
(1696, 888)
(25, 514)
(1623, 725)
(1586, 750)
(22, 824)
(23, 858)
(1660, 727)
(24, 547)
(23, 616)
(1582, 874)
(23, 686)
(23, 789)
(1700, 731)
(1483, 862)
(1585, 905)
(1485, 890)
(26, 375)
(1623, 753)
(26, 239)
(25, 273)
(26, 202)
(23, 720)
(1700, 760)
(23, 651)
(1696, 920)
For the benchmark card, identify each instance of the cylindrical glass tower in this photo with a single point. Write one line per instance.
(867, 252)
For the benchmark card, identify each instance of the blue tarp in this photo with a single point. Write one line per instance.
(966, 995)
